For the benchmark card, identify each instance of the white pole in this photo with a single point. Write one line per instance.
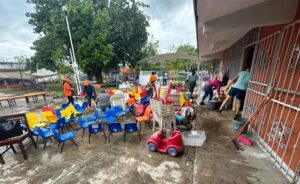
(74, 69)
(74, 58)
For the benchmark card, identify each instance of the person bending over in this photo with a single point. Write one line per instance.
(89, 91)
(238, 90)
(208, 91)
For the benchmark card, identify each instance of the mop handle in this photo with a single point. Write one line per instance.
(238, 133)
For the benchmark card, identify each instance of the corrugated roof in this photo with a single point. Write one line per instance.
(14, 75)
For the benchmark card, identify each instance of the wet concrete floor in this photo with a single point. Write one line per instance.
(131, 162)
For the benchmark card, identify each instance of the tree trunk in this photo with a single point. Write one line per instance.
(98, 75)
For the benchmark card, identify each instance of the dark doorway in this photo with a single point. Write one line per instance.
(249, 53)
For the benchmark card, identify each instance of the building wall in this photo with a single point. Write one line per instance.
(276, 63)
(232, 57)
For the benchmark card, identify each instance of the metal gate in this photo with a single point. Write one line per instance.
(276, 66)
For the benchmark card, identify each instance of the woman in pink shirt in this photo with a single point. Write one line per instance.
(209, 91)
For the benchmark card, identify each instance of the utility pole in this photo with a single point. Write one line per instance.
(72, 53)
(19, 62)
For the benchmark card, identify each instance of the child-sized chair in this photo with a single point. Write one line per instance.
(45, 135)
(34, 121)
(49, 117)
(110, 116)
(96, 128)
(114, 128)
(145, 118)
(84, 124)
(62, 138)
(131, 128)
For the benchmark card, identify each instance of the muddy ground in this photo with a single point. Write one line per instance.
(131, 162)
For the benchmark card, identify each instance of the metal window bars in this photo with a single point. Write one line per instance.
(276, 64)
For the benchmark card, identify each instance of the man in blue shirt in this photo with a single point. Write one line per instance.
(238, 90)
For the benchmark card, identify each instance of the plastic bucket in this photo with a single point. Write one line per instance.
(237, 123)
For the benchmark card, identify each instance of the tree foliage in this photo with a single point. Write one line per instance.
(104, 34)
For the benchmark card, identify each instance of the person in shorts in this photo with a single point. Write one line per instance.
(238, 90)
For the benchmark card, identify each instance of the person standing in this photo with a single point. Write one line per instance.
(192, 81)
(153, 78)
(89, 91)
(238, 90)
(68, 90)
(165, 78)
(209, 91)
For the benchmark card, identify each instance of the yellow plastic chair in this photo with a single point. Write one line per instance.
(181, 99)
(72, 109)
(33, 120)
(65, 113)
(49, 117)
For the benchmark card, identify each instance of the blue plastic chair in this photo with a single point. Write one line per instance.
(94, 117)
(81, 108)
(119, 111)
(69, 120)
(64, 105)
(131, 128)
(95, 128)
(57, 113)
(114, 128)
(110, 116)
(44, 134)
(62, 138)
(84, 124)
(145, 100)
(59, 124)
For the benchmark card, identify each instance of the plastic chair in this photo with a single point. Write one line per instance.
(33, 120)
(47, 108)
(62, 138)
(81, 108)
(131, 128)
(71, 109)
(58, 113)
(94, 117)
(84, 124)
(110, 116)
(59, 124)
(68, 121)
(145, 118)
(114, 128)
(45, 135)
(95, 128)
(119, 111)
(49, 117)
(64, 105)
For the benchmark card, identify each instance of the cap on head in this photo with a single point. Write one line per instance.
(86, 82)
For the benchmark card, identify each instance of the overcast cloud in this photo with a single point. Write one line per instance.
(171, 22)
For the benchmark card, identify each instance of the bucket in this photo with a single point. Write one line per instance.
(237, 123)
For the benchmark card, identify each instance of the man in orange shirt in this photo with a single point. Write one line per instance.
(68, 90)
(153, 78)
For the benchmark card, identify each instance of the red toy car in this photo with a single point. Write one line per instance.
(172, 145)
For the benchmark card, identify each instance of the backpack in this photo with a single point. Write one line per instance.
(9, 128)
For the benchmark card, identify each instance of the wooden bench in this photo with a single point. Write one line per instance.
(17, 140)
(11, 100)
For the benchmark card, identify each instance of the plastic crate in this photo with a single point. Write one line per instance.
(193, 138)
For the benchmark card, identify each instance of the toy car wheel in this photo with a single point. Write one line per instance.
(172, 152)
(152, 147)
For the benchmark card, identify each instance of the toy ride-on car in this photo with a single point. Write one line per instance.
(172, 145)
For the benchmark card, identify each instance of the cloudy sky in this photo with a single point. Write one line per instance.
(171, 22)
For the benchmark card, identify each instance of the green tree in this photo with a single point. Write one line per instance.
(103, 34)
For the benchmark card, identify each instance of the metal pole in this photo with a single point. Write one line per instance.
(75, 76)
(74, 57)
(22, 76)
